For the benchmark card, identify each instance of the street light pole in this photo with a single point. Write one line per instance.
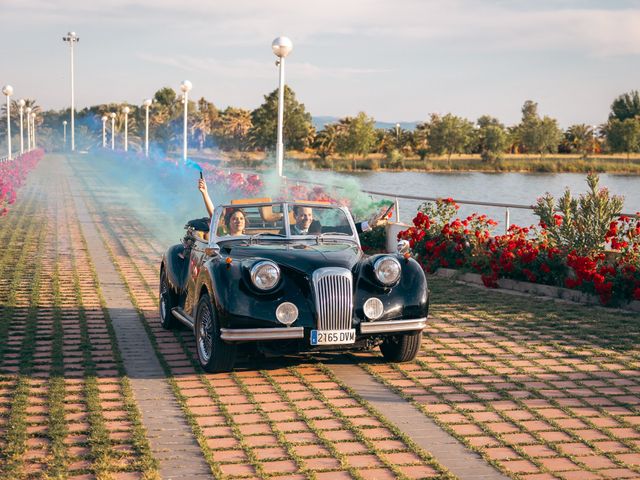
(72, 38)
(113, 130)
(147, 104)
(185, 87)
(125, 110)
(33, 127)
(8, 91)
(28, 112)
(281, 47)
(104, 131)
(21, 104)
(64, 133)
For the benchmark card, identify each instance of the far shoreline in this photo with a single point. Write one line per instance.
(509, 163)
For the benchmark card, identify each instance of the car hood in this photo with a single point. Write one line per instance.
(303, 257)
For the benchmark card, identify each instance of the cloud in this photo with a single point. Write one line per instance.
(470, 24)
(247, 68)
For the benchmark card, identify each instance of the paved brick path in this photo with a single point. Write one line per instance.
(289, 421)
(540, 391)
(170, 436)
(426, 433)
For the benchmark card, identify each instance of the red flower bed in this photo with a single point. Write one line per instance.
(13, 173)
(525, 253)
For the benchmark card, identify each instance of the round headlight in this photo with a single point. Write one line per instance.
(265, 275)
(287, 313)
(387, 270)
(373, 308)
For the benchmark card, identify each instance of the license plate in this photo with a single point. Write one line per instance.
(333, 337)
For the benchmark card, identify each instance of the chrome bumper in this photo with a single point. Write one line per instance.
(393, 326)
(257, 334)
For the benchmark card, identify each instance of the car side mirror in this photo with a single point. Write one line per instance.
(403, 247)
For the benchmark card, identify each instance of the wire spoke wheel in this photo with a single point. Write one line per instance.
(214, 354)
(205, 339)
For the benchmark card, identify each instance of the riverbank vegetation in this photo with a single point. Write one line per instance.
(441, 142)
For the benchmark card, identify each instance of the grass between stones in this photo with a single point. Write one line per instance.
(520, 381)
(106, 455)
(24, 293)
(52, 410)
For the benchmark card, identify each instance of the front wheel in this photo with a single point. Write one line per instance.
(401, 348)
(213, 354)
(168, 300)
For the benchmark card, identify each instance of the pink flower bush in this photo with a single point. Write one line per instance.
(13, 174)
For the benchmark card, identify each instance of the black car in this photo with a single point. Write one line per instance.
(285, 289)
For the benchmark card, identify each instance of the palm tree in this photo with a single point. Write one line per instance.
(232, 128)
(581, 139)
(326, 140)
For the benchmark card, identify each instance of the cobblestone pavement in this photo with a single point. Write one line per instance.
(538, 389)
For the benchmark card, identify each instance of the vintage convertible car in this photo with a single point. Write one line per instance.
(284, 292)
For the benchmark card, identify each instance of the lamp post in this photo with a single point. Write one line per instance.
(8, 91)
(28, 112)
(126, 110)
(147, 104)
(21, 104)
(72, 38)
(64, 133)
(398, 134)
(104, 131)
(185, 86)
(281, 47)
(33, 128)
(113, 130)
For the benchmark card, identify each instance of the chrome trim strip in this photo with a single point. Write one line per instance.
(333, 297)
(256, 334)
(183, 317)
(393, 326)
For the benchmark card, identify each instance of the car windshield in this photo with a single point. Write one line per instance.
(318, 220)
(266, 221)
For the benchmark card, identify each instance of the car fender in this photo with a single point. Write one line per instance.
(409, 298)
(176, 266)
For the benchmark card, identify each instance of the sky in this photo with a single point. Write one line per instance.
(395, 60)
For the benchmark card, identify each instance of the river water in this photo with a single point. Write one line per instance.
(515, 188)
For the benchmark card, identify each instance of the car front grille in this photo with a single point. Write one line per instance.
(333, 292)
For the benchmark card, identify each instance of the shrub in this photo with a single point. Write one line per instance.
(579, 224)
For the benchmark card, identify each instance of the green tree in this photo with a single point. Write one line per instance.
(486, 120)
(580, 139)
(359, 137)
(623, 136)
(625, 106)
(326, 140)
(202, 121)
(538, 135)
(420, 140)
(166, 97)
(164, 118)
(449, 134)
(231, 129)
(492, 142)
(297, 122)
